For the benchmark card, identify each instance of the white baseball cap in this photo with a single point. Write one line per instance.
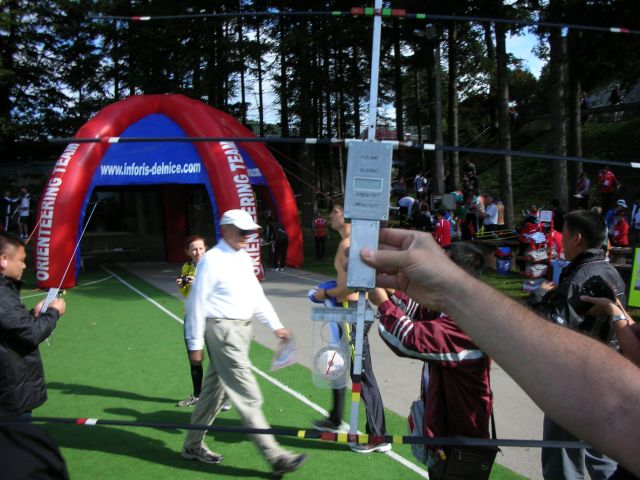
(622, 203)
(240, 219)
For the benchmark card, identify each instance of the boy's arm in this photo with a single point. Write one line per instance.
(340, 291)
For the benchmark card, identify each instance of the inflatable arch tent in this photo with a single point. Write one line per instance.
(228, 171)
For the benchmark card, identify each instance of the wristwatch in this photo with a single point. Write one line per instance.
(616, 318)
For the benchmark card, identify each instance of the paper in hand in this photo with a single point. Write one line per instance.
(285, 355)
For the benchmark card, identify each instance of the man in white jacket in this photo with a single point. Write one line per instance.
(224, 298)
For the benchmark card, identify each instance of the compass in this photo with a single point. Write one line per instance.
(329, 363)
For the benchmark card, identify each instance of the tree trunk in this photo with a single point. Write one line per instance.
(340, 121)
(504, 128)
(7, 51)
(356, 94)
(327, 81)
(435, 111)
(574, 136)
(243, 102)
(397, 77)
(557, 143)
(260, 91)
(315, 86)
(491, 55)
(418, 102)
(307, 165)
(453, 105)
(284, 94)
(307, 159)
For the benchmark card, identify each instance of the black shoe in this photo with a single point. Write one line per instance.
(288, 463)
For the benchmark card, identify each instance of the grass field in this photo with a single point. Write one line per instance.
(115, 355)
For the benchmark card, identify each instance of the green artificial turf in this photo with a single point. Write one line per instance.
(115, 355)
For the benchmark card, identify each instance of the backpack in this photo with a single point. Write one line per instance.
(462, 461)
(415, 420)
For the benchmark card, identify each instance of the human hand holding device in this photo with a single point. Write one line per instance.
(595, 287)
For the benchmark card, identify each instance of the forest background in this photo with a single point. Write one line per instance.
(443, 82)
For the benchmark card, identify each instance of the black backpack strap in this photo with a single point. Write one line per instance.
(493, 419)
(493, 426)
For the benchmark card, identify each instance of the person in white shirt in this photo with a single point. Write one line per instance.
(406, 206)
(490, 215)
(224, 298)
(24, 211)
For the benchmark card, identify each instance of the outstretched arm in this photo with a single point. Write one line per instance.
(557, 367)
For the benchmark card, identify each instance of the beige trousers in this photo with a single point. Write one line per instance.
(229, 370)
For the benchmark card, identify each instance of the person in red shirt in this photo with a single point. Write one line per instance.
(554, 240)
(607, 183)
(529, 226)
(455, 387)
(443, 229)
(620, 230)
(319, 227)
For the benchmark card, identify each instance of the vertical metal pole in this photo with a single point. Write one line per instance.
(375, 68)
(357, 364)
(371, 136)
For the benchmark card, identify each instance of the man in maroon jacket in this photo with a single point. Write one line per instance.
(455, 377)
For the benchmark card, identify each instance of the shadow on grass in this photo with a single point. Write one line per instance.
(118, 441)
(182, 416)
(132, 442)
(75, 389)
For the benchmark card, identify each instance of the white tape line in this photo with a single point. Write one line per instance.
(302, 277)
(77, 286)
(143, 295)
(403, 461)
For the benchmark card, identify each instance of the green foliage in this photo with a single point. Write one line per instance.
(532, 177)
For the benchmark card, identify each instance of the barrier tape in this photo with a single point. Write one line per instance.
(309, 434)
(346, 141)
(370, 12)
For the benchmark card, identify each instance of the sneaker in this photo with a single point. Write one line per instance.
(371, 447)
(188, 402)
(226, 406)
(288, 463)
(326, 425)
(202, 454)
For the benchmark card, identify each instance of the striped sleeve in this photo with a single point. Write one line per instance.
(439, 340)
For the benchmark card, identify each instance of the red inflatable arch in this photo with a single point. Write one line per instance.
(63, 203)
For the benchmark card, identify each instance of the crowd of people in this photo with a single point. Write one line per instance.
(430, 306)
(470, 215)
(457, 371)
(581, 238)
